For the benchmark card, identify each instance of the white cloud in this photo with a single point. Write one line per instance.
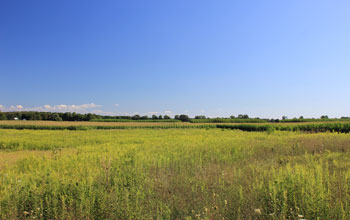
(168, 112)
(116, 105)
(152, 113)
(1, 106)
(84, 108)
(100, 112)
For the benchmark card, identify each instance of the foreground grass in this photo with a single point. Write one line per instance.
(175, 174)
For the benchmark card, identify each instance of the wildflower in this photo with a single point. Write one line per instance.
(26, 213)
(206, 210)
(300, 216)
(225, 202)
(257, 211)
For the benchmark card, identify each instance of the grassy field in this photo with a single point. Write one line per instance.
(338, 126)
(173, 174)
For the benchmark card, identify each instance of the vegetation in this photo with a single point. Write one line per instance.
(131, 120)
(313, 127)
(137, 125)
(68, 116)
(229, 120)
(174, 174)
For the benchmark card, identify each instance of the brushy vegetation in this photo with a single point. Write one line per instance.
(103, 127)
(314, 127)
(175, 174)
(270, 127)
(229, 120)
(131, 120)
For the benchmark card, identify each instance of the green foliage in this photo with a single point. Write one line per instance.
(133, 120)
(313, 128)
(104, 127)
(3, 116)
(175, 174)
(184, 118)
(229, 120)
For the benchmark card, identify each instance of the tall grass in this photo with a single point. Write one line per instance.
(131, 120)
(176, 174)
(323, 127)
(229, 120)
(103, 127)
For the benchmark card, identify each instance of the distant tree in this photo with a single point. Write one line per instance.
(232, 117)
(3, 116)
(324, 117)
(301, 117)
(177, 117)
(166, 117)
(89, 117)
(145, 117)
(184, 118)
(74, 116)
(154, 117)
(56, 117)
(160, 117)
(200, 117)
(284, 117)
(136, 117)
(243, 116)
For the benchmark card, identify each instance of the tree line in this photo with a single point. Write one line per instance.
(73, 116)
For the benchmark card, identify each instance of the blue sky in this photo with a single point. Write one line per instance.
(217, 58)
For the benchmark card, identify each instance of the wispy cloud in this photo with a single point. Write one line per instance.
(116, 105)
(101, 112)
(84, 108)
(152, 113)
(168, 112)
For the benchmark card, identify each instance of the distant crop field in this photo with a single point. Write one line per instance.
(173, 174)
(84, 123)
(111, 123)
(311, 127)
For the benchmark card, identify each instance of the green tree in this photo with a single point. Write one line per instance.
(56, 117)
(184, 118)
(136, 117)
(3, 116)
(200, 117)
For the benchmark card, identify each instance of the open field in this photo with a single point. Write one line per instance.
(173, 174)
(311, 127)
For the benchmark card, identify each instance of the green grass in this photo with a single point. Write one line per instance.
(104, 127)
(132, 120)
(229, 120)
(175, 174)
(313, 128)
